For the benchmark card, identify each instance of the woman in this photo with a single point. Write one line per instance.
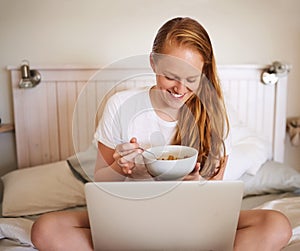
(184, 107)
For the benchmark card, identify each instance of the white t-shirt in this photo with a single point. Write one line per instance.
(130, 114)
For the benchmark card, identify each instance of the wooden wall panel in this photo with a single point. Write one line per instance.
(59, 116)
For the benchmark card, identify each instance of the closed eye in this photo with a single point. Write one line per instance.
(171, 78)
(191, 80)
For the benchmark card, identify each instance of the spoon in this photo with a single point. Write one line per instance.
(145, 150)
(148, 152)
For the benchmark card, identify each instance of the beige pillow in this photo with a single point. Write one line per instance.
(41, 189)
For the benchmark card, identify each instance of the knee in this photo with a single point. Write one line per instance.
(278, 225)
(44, 229)
(38, 230)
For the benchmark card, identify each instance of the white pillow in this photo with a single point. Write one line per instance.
(41, 189)
(239, 130)
(273, 177)
(246, 156)
(248, 150)
(16, 229)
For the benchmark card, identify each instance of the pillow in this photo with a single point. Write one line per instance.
(246, 156)
(41, 189)
(239, 130)
(248, 150)
(83, 163)
(273, 177)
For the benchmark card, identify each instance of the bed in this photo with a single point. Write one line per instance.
(55, 122)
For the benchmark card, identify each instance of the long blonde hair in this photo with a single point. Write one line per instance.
(202, 122)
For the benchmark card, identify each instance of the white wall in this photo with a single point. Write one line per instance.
(98, 32)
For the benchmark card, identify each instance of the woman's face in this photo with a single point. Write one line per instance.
(178, 72)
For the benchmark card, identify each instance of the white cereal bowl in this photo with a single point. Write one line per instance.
(164, 169)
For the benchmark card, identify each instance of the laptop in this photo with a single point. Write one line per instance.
(164, 215)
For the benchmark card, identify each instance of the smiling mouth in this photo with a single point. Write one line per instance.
(176, 95)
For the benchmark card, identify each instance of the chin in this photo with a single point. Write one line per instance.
(176, 104)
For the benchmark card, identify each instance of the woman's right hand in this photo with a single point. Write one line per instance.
(125, 154)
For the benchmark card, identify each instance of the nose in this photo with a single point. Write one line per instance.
(180, 87)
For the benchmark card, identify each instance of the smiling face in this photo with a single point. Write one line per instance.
(178, 72)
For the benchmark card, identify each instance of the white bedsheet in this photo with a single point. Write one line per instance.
(15, 234)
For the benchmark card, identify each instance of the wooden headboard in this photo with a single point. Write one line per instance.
(58, 117)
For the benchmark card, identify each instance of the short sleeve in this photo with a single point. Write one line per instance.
(108, 127)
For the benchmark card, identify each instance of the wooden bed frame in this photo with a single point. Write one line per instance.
(58, 117)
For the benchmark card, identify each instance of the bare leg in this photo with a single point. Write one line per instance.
(62, 231)
(262, 230)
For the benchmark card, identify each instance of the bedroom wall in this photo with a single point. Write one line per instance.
(93, 32)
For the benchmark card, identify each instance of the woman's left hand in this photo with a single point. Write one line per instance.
(194, 175)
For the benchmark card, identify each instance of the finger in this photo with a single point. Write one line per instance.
(130, 156)
(194, 175)
(127, 170)
(196, 169)
(125, 166)
(124, 153)
(126, 147)
(120, 154)
(127, 162)
(133, 140)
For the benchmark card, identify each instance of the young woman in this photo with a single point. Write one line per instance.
(184, 107)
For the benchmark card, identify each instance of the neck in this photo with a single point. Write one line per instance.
(164, 111)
